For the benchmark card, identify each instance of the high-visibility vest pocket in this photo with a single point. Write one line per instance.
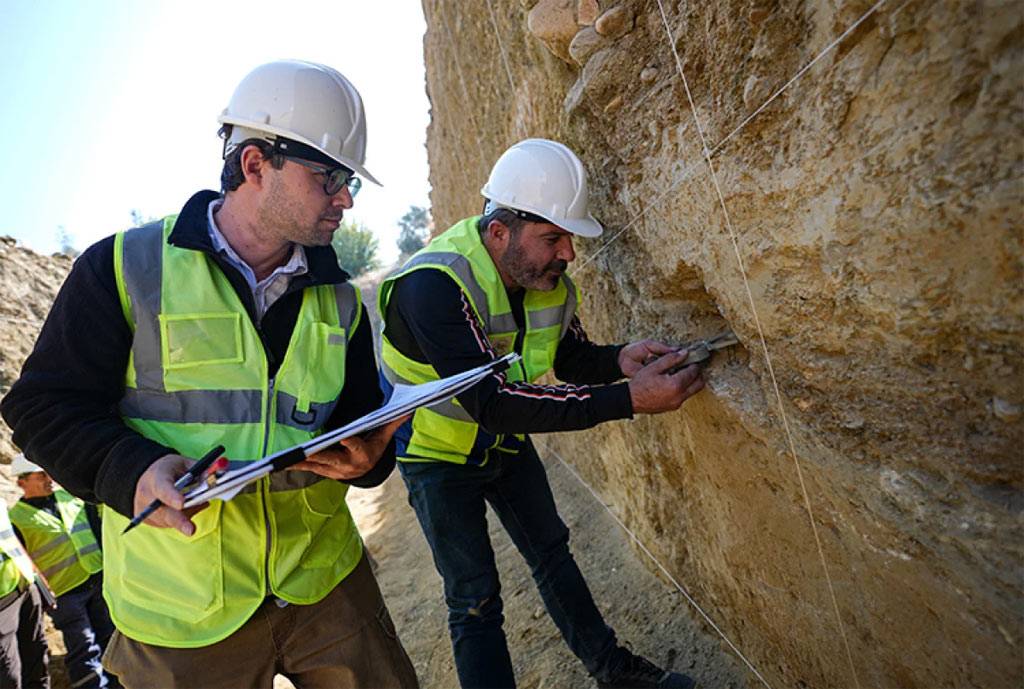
(181, 592)
(200, 339)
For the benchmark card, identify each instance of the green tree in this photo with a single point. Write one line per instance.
(416, 225)
(356, 248)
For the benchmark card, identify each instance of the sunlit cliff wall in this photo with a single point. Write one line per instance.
(876, 207)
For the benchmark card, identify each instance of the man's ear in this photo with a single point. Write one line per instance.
(252, 163)
(498, 234)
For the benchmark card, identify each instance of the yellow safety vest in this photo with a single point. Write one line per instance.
(15, 563)
(63, 548)
(198, 377)
(446, 431)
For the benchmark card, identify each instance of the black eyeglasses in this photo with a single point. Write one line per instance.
(335, 178)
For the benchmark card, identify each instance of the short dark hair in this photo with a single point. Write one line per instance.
(506, 217)
(231, 175)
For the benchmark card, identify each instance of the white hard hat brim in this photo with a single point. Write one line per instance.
(583, 227)
(271, 130)
(22, 465)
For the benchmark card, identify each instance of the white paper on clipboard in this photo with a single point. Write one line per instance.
(404, 399)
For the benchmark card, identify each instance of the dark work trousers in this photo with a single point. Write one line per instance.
(449, 500)
(83, 620)
(24, 655)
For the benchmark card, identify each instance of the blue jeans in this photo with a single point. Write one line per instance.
(84, 622)
(449, 500)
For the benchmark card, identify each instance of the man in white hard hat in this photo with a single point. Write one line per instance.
(61, 534)
(487, 286)
(229, 323)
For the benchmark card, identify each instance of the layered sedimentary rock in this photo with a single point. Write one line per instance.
(867, 222)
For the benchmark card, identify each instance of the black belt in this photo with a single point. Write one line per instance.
(10, 597)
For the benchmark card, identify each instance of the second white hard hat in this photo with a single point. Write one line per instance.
(21, 465)
(303, 101)
(545, 178)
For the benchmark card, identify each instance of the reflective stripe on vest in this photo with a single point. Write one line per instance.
(446, 431)
(198, 376)
(63, 547)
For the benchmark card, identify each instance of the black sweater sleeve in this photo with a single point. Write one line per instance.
(63, 408)
(361, 395)
(580, 361)
(429, 319)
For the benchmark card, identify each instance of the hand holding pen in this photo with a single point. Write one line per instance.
(158, 488)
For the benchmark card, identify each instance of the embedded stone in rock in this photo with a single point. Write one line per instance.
(554, 23)
(586, 12)
(585, 44)
(1004, 410)
(649, 74)
(758, 15)
(614, 104)
(755, 91)
(616, 22)
(596, 80)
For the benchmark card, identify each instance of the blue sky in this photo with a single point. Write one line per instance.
(110, 106)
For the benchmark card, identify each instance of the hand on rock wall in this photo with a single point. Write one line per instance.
(655, 388)
(636, 355)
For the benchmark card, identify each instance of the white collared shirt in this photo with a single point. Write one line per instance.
(268, 290)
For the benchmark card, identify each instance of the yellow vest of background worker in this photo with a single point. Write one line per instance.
(15, 564)
(63, 548)
(198, 377)
(446, 431)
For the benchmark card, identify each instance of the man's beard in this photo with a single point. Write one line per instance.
(528, 275)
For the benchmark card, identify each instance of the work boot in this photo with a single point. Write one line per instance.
(633, 672)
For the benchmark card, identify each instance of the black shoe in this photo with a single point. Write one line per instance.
(634, 672)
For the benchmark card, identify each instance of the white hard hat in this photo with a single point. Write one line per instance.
(544, 178)
(20, 465)
(303, 101)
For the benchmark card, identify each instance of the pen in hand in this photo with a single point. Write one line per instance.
(190, 476)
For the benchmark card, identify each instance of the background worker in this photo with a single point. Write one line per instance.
(61, 534)
(229, 323)
(24, 653)
(484, 287)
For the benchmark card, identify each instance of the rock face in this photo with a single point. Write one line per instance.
(28, 285)
(876, 208)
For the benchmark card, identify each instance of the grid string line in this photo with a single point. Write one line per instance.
(717, 148)
(682, 176)
(664, 570)
(757, 319)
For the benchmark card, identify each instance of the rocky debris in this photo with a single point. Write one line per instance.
(587, 12)
(553, 22)
(615, 23)
(584, 44)
(28, 285)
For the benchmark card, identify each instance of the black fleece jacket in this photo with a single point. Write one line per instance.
(63, 408)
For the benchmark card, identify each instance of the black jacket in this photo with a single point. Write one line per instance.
(429, 320)
(63, 408)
